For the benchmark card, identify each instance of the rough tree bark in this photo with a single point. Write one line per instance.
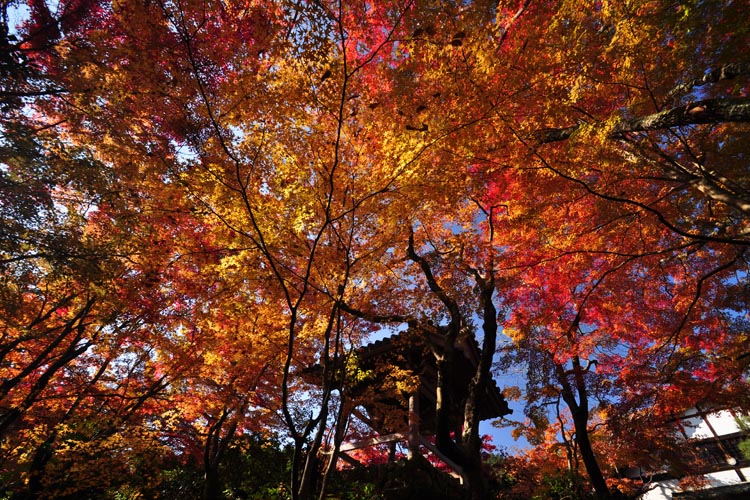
(723, 110)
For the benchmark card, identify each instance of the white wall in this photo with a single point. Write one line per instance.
(663, 490)
(696, 428)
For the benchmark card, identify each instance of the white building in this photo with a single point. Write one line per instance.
(716, 436)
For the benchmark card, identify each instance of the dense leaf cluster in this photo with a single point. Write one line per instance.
(208, 207)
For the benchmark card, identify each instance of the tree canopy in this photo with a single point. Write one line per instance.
(202, 201)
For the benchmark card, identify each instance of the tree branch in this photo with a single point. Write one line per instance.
(724, 72)
(723, 110)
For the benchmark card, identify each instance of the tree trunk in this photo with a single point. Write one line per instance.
(211, 484)
(340, 427)
(213, 452)
(477, 388)
(42, 456)
(580, 421)
(580, 411)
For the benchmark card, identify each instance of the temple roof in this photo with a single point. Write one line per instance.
(416, 350)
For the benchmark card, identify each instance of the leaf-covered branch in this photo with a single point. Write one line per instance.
(708, 111)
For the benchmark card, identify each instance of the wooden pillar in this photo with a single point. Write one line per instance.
(413, 437)
(392, 451)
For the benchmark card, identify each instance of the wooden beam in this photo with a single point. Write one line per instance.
(362, 417)
(351, 461)
(413, 424)
(366, 443)
(459, 472)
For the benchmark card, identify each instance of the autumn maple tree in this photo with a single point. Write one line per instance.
(629, 298)
(85, 256)
(204, 203)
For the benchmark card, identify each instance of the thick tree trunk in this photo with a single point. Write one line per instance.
(472, 468)
(444, 361)
(467, 453)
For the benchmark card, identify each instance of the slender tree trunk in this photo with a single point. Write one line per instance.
(580, 421)
(338, 437)
(296, 466)
(46, 450)
(211, 484)
(216, 446)
(580, 411)
(42, 456)
(312, 464)
(478, 387)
